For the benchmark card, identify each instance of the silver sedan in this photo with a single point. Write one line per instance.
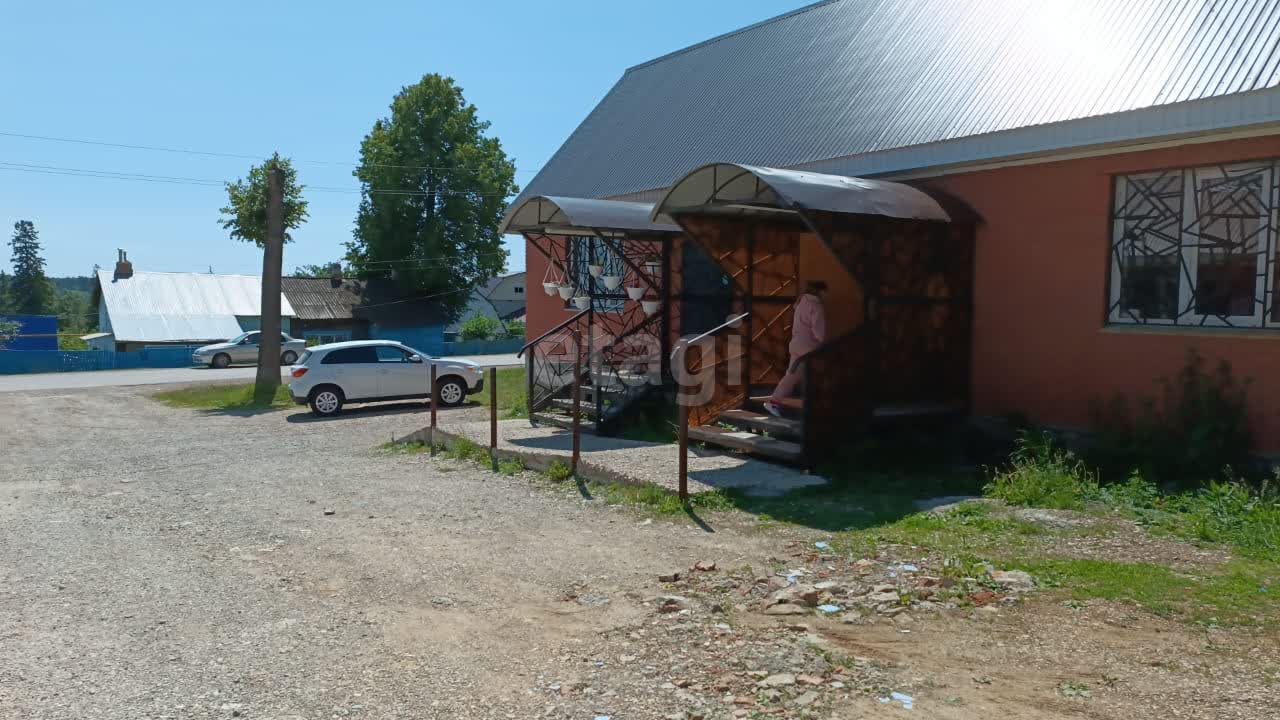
(243, 349)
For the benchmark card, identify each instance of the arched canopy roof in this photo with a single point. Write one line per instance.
(748, 188)
(582, 216)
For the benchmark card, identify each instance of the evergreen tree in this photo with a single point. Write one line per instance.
(4, 293)
(30, 292)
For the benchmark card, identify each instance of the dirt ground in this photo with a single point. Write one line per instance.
(167, 563)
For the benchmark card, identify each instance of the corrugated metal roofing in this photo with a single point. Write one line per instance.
(173, 307)
(570, 213)
(320, 299)
(848, 77)
(750, 186)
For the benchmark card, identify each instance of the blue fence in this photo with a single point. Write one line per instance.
(483, 347)
(15, 362)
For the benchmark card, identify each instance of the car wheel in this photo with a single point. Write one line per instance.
(451, 391)
(221, 361)
(326, 401)
(289, 357)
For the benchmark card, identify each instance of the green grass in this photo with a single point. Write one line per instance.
(1236, 594)
(223, 397)
(512, 393)
(657, 499)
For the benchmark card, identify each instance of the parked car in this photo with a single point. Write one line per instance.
(327, 377)
(243, 348)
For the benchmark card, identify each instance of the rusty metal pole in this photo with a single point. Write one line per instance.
(684, 452)
(493, 418)
(681, 371)
(432, 434)
(577, 400)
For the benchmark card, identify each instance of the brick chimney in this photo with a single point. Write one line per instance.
(335, 275)
(124, 268)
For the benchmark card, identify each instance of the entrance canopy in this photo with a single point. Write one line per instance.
(748, 189)
(582, 216)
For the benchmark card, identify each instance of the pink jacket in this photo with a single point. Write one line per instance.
(808, 326)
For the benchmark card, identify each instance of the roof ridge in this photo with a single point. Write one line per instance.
(109, 271)
(731, 33)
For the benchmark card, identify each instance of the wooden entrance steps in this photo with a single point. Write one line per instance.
(756, 433)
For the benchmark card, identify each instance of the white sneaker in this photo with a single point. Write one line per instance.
(773, 409)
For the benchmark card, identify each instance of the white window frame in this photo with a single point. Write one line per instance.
(1188, 233)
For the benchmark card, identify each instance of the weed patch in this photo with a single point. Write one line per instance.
(224, 397)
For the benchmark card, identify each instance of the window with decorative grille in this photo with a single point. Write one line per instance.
(1197, 247)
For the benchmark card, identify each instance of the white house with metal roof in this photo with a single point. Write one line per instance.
(137, 309)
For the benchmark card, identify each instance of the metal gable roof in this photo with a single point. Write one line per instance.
(171, 307)
(321, 298)
(570, 213)
(849, 77)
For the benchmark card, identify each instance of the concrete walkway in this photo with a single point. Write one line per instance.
(618, 460)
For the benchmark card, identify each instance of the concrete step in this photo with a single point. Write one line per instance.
(779, 427)
(791, 403)
(588, 410)
(748, 442)
(562, 421)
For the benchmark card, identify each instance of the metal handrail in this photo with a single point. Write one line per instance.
(555, 329)
(686, 342)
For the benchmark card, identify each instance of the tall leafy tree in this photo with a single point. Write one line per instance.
(30, 292)
(434, 186)
(245, 214)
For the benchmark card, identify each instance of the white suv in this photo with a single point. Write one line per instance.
(327, 377)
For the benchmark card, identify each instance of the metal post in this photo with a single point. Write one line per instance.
(577, 400)
(493, 417)
(432, 434)
(684, 451)
(681, 363)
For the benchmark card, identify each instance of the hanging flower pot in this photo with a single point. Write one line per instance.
(611, 282)
(650, 306)
(551, 280)
(566, 291)
(635, 293)
(582, 302)
(595, 270)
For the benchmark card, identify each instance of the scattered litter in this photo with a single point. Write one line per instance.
(792, 576)
(908, 567)
(830, 608)
(896, 696)
(602, 717)
(822, 545)
(647, 521)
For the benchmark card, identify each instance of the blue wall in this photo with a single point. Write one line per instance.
(14, 362)
(428, 339)
(43, 326)
(484, 347)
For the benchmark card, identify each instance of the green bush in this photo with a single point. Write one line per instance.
(479, 327)
(1043, 475)
(559, 471)
(1185, 438)
(510, 466)
(515, 329)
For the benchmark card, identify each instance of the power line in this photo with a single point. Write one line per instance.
(208, 182)
(238, 156)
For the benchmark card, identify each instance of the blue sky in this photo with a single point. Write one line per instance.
(307, 79)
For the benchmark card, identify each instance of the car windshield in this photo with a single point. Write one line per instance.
(240, 337)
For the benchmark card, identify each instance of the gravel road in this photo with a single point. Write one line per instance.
(164, 563)
(167, 563)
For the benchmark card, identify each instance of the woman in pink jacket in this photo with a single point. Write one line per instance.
(808, 330)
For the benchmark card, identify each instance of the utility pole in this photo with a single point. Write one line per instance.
(272, 261)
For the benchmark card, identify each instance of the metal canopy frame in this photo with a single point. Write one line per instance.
(734, 188)
(582, 216)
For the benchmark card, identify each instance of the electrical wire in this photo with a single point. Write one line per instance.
(239, 156)
(207, 182)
